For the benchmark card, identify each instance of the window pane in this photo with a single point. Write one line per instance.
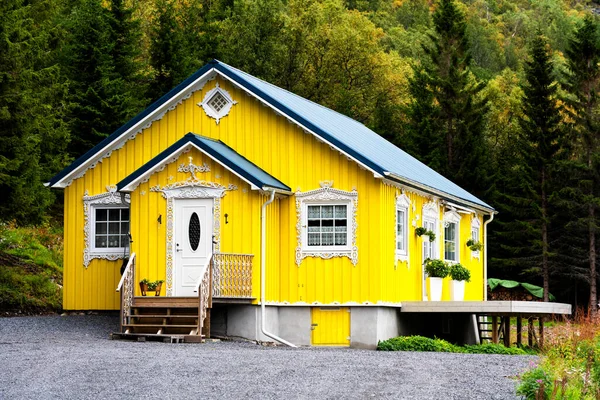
(100, 228)
(114, 227)
(124, 227)
(314, 222)
(124, 241)
(326, 222)
(340, 211)
(341, 222)
(124, 214)
(314, 239)
(314, 212)
(114, 214)
(101, 215)
(114, 241)
(450, 242)
(101, 241)
(340, 239)
(327, 239)
(327, 212)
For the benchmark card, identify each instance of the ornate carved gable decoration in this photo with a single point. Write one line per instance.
(323, 195)
(217, 103)
(112, 197)
(403, 201)
(192, 188)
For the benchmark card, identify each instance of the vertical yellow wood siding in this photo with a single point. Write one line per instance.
(289, 154)
(330, 326)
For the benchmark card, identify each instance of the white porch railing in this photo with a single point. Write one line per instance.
(127, 289)
(232, 275)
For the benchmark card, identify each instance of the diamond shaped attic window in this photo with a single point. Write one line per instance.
(217, 103)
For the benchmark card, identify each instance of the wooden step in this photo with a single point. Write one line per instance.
(158, 326)
(163, 315)
(167, 338)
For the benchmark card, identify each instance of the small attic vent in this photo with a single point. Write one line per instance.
(217, 103)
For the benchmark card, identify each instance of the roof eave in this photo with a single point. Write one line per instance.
(400, 179)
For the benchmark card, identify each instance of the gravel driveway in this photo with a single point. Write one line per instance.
(72, 358)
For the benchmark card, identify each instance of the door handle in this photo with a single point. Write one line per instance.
(178, 249)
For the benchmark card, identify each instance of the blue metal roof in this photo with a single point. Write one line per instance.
(346, 134)
(349, 135)
(218, 151)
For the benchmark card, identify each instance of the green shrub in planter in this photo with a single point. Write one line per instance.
(436, 268)
(474, 245)
(459, 273)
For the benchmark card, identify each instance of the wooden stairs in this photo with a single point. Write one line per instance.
(165, 319)
(493, 329)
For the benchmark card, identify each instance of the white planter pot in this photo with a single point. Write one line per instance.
(457, 290)
(435, 289)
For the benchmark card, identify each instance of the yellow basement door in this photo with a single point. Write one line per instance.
(330, 326)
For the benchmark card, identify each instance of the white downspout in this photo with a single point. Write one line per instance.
(485, 255)
(263, 278)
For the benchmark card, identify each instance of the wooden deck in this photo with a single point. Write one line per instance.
(493, 317)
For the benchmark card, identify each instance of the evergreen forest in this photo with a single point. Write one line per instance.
(500, 96)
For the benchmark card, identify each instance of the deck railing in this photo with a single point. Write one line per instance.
(127, 289)
(232, 275)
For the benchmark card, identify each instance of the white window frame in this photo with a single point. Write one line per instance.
(326, 196)
(452, 217)
(111, 199)
(402, 204)
(306, 246)
(475, 234)
(209, 110)
(431, 217)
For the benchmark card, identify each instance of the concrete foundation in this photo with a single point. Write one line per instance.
(368, 325)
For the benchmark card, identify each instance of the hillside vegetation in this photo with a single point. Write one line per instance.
(30, 270)
(500, 96)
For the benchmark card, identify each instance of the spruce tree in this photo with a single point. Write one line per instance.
(583, 81)
(98, 61)
(540, 152)
(33, 134)
(460, 107)
(169, 56)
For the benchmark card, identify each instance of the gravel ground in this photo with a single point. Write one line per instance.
(72, 358)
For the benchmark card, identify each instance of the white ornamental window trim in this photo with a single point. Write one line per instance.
(431, 216)
(111, 199)
(217, 103)
(402, 204)
(452, 217)
(327, 195)
(475, 225)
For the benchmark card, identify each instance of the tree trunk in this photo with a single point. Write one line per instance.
(545, 272)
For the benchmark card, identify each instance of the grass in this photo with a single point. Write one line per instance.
(30, 269)
(420, 343)
(570, 366)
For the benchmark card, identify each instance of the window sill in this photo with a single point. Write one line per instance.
(327, 254)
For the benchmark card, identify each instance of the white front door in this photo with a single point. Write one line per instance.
(192, 243)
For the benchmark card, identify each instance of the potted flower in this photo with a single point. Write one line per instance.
(474, 245)
(420, 231)
(459, 275)
(150, 286)
(437, 270)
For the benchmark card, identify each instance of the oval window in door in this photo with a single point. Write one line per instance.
(194, 231)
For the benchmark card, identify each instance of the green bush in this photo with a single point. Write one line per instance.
(420, 343)
(417, 343)
(436, 268)
(459, 273)
(493, 348)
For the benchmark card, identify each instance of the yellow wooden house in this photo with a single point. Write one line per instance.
(275, 217)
